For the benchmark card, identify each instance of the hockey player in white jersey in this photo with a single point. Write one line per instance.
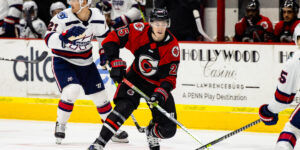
(10, 14)
(120, 12)
(56, 8)
(284, 95)
(31, 26)
(69, 36)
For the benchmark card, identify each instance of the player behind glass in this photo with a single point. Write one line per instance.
(72, 63)
(284, 29)
(10, 14)
(56, 8)
(154, 71)
(254, 27)
(31, 26)
(286, 90)
(121, 12)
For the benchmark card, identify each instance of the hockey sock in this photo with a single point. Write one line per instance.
(115, 120)
(64, 111)
(163, 131)
(287, 137)
(104, 111)
(111, 125)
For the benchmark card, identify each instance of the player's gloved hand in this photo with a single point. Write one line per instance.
(159, 95)
(118, 69)
(9, 29)
(121, 21)
(267, 116)
(74, 31)
(103, 57)
(103, 5)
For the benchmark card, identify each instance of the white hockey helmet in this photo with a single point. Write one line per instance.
(296, 35)
(56, 5)
(89, 2)
(30, 6)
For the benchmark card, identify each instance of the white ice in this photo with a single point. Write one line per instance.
(39, 135)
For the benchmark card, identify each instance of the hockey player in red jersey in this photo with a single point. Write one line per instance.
(253, 27)
(287, 87)
(284, 29)
(154, 71)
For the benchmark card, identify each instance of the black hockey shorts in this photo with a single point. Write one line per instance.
(125, 94)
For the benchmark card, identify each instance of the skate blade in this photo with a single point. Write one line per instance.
(58, 140)
(114, 139)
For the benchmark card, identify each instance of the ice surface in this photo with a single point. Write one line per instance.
(39, 135)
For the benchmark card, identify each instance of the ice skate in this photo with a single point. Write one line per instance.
(59, 132)
(153, 142)
(96, 146)
(120, 137)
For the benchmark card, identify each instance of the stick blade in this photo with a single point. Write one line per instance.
(73, 38)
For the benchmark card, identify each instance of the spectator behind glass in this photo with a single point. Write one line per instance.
(31, 26)
(253, 27)
(183, 24)
(120, 13)
(10, 13)
(56, 7)
(284, 29)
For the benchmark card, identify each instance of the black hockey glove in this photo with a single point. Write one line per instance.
(74, 31)
(160, 96)
(118, 70)
(103, 57)
(268, 117)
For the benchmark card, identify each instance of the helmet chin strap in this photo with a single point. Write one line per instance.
(81, 8)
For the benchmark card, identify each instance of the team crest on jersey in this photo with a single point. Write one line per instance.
(175, 51)
(130, 92)
(147, 65)
(82, 44)
(139, 26)
(62, 15)
(264, 25)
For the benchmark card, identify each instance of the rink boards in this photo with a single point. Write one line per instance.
(219, 86)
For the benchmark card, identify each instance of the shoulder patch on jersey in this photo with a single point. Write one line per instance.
(139, 26)
(62, 15)
(40, 25)
(175, 51)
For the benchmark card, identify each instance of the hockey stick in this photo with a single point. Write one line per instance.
(160, 109)
(199, 25)
(228, 135)
(39, 59)
(73, 38)
(140, 129)
(140, 8)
